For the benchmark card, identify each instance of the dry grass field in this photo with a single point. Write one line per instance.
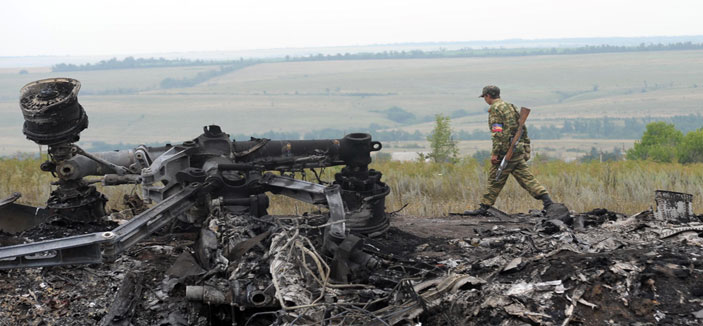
(431, 189)
(347, 95)
(564, 149)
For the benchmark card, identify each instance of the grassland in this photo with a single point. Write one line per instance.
(431, 189)
(435, 189)
(563, 149)
(347, 95)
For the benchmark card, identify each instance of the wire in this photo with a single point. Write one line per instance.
(259, 314)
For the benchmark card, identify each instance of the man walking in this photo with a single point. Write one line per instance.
(503, 122)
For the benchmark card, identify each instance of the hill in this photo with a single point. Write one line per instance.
(130, 106)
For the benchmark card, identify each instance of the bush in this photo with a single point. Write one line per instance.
(690, 150)
(659, 143)
(442, 144)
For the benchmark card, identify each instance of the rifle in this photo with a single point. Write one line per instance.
(524, 112)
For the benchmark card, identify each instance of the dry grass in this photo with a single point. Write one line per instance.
(21, 174)
(435, 189)
(432, 189)
(566, 149)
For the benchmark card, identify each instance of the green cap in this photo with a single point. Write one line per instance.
(491, 90)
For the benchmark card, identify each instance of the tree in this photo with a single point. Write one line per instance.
(444, 147)
(690, 150)
(658, 143)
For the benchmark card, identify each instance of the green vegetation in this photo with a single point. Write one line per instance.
(662, 142)
(442, 143)
(690, 149)
(610, 128)
(658, 143)
(132, 63)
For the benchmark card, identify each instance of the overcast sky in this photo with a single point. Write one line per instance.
(95, 27)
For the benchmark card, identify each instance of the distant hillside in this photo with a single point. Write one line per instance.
(599, 96)
(465, 52)
(46, 61)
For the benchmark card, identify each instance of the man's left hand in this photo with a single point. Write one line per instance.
(494, 159)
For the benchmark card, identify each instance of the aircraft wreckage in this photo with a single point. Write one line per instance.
(205, 251)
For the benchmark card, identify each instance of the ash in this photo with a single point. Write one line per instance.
(595, 268)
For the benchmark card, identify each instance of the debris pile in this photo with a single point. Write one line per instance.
(585, 269)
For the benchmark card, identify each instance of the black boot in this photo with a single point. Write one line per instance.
(481, 211)
(546, 201)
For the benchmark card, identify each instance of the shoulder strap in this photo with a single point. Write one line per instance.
(515, 110)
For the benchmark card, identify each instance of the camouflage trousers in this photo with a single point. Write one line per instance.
(518, 168)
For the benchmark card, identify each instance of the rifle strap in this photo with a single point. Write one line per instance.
(517, 114)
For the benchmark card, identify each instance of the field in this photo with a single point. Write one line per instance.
(431, 189)
(564, 149)
(347, 95)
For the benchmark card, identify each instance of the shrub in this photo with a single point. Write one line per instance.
(658, 143)
(444, 147)
(690, 150)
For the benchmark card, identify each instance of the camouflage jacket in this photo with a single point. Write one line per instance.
(503, 120)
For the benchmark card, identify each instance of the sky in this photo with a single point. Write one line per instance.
(97, 27)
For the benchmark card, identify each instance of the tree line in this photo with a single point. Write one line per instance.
(132, 63)
(498, 52)
(612, 128)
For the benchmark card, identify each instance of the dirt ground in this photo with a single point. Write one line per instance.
(524, 269)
